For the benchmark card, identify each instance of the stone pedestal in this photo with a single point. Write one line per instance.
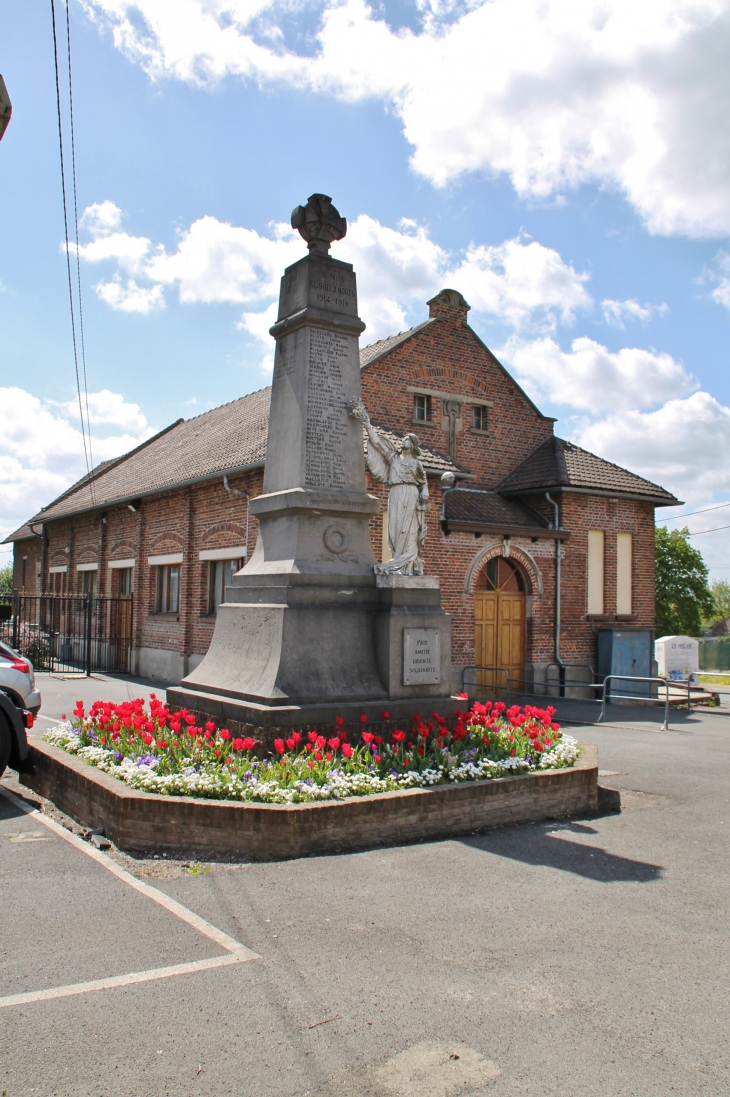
(412, 637)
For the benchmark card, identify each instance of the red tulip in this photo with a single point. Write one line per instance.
(279, 746)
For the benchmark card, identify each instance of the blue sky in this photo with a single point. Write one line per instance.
(566, 165)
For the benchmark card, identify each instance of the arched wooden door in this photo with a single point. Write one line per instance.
(499, 623)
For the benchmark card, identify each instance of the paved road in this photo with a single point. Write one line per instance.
(558, 960)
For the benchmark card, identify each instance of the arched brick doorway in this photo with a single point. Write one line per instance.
(499, 622)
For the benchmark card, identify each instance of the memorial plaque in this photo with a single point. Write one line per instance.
(328, 426)
(421, 656)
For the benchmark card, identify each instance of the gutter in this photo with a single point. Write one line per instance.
(503, 530)
(656, 500)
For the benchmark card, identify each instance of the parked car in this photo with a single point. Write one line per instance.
(17, 679)
(13, 740)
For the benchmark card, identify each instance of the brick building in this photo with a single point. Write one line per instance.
(168, 522)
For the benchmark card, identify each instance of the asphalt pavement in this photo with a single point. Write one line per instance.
(568, 959)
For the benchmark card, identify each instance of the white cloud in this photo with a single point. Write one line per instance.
(42, 453)
(721, 292)
(111, 408)
(552, 93)
(590, 377)
(526, 285)
(616, 312)
(520, 282)
(684, 445)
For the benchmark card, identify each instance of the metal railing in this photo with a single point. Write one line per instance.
(608, 696)
(77, 633)
(487, 670)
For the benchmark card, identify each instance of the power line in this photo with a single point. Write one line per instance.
(76, 226)
(689, 513)
(68, 254)
(714, 530)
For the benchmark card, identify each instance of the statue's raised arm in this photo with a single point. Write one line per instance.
(380, 450)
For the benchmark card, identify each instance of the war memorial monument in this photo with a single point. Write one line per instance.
(313, 625)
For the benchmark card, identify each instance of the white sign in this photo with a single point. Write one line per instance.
(421, 656)
(678, 658)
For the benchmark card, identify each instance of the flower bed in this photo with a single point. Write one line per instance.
(164, 752)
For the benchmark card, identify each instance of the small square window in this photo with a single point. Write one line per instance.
(422, 409)
(479, 417)
(167, 588)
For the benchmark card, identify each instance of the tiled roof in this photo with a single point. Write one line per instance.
(376, 350)
(470, 508)
(557, 463)
(229, 437)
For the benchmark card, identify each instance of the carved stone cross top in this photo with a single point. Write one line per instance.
(319, 223)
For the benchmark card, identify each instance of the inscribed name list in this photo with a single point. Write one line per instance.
(327, 411)
(421, 656)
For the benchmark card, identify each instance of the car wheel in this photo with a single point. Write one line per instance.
(5, 744)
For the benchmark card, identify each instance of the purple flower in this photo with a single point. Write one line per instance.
(148, 760)
(118, 755)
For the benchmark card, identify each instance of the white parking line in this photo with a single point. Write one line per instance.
(119, 981)
(237, 953)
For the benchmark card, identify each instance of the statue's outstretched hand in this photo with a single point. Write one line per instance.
(359, 411)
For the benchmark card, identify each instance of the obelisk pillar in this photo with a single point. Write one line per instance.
(297, 626)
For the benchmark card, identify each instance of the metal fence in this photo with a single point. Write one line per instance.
(69, 632)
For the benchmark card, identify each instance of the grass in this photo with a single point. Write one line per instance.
(715, 679)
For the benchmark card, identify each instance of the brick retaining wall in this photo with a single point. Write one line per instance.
(140, 821)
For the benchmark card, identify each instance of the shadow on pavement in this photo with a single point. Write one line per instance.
(538, 847)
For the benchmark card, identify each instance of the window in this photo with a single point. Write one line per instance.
(501, 574)
(123, 580)
(58, 582)
(88, 583)
(167, 588)
(595, 571)
(422, 409)
(479, 417)
(623, 574)
(220, 576)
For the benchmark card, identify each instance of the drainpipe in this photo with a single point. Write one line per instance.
(558, 659)
(244, 495)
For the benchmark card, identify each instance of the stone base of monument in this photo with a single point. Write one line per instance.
(143, 822)
(412, 637)
(293, 651)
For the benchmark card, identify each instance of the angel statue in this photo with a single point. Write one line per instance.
(408, 497)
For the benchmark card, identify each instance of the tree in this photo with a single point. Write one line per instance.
(683, 597)
(6, 578)
(721, 594)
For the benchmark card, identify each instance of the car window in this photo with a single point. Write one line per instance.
(8, 652)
